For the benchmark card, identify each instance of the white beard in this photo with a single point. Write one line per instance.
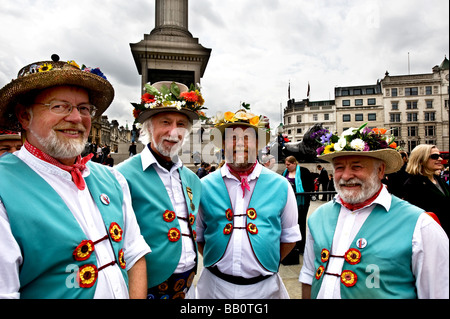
(368, 189)
(54, 147)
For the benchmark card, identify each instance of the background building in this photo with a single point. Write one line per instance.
(414, 107)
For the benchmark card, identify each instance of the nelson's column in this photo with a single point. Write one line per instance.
(170, 52)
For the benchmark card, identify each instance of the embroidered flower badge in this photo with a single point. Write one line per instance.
(87, 275)
(353, 256)
(349, 278)
(229, 214)
(174, 234)
(122, 262)
(228, 228)
(252, 229)
(251, 213)
(191, 219)
(116, 232)
(324, 255)
(83, 250)
(319, 272)
(169, 216)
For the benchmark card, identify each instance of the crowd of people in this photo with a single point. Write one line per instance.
(136, 230)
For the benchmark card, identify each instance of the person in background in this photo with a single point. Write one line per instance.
(425, 188)
(10, 141)
(323, 181)
(301, 181)
(395, 181)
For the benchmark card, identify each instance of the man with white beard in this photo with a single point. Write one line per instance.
(367, 243)
(166, 194)
(67, 227)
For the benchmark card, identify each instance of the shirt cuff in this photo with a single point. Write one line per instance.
(291, 235)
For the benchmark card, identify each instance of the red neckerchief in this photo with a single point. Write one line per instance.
(243, 177)
(74, 170)
(367, 202)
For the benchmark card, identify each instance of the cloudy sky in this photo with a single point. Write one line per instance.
(258, 46)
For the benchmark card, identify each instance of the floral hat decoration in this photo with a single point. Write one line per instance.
(360, 141)
(166, 96)
(242, 117)
(46, 74)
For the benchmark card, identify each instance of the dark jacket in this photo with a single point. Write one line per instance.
(420, 191)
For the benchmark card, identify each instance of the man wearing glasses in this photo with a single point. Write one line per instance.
(67, 227)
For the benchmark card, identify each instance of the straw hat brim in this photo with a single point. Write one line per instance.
(390, 157)
(219, 131)
(101, 92)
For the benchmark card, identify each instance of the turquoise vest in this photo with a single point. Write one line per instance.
(48, 233)
(151, 203)
(384, 267)
(263, 218)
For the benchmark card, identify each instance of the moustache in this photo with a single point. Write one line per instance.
(79, 128)
(351, 182)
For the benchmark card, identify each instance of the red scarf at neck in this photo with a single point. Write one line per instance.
(74, 170)
(367, 202)
(243, 177)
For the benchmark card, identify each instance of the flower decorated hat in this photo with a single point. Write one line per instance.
(166, 96)
(242, 117)
(361, 141)
(46, 74)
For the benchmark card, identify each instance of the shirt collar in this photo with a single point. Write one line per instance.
(253, 175)
(384, 199)
(148, 159)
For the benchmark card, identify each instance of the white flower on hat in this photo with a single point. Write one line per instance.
(358, 144)
(341, 143)
(350, 131)
(220, 116)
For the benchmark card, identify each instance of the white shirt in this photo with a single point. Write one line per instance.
(110, 282)
(239, 259)
(172, 182)
(430, 255)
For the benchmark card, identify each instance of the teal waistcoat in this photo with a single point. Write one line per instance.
(385, 246)
(263, 218)
(48, 233)
(151, 203)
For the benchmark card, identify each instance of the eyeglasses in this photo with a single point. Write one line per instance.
(65, 108)
(435, 156)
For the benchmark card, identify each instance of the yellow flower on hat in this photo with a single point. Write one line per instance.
(45, 67)
(254, 120)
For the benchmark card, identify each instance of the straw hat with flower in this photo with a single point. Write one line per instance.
(242, 117)
(361, 141)
(45, 74)
(166, 96)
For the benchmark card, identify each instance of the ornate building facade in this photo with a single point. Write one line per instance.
(414, 107)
